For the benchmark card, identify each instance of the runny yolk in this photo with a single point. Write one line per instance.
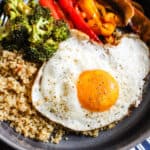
(97, 90)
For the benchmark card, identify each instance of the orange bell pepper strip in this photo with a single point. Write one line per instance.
(101, 22)
(89, 7)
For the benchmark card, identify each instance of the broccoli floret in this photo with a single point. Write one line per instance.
(10, 8)
(38, 13)
(41, 30)
(41, 23)
(60, 31)
(32, 3)
(17, 39)
(3, 33)
(16, 33)
(50, 46)
(34, 31)
(40, 53)
(14, 8)
(15, 24)
(20, 21)
(35, 53)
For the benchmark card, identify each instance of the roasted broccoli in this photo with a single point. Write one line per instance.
(14, 8)
(20, 21)
(60, 31)
(38, 13)
(41, 23)
(17, 38)
(3, 33)
(40, 53)
(32, 29)
(17, 33)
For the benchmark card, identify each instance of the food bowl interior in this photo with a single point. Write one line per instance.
(127, 131)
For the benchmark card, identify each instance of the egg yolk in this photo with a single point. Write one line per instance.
(97, 90)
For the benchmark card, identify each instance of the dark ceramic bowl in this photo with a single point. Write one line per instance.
(126, 134)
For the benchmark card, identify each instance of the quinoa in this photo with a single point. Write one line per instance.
(16, 79)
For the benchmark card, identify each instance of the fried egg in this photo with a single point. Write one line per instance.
(85, 86)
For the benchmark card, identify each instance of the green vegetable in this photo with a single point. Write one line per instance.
(3, 33)
(60, 31)
(32, 29)
(21, 21)
(17, 38)
(41, 23)
(14, 8)
(40, 53)
(16, 33)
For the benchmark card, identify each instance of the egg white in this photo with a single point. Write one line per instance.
(54, 92)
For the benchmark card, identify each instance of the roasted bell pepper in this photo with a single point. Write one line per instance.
(101, 22)
(68, 7)
(89, 7)
(106, 16)
(56, 11)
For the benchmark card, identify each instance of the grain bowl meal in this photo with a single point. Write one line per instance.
(74, 66)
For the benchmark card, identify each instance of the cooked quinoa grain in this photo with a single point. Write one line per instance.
(16, 78)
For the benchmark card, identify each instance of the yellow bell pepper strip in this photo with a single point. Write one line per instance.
(101, 22)
(110, 17)
(110, 39)
(107, 29)
(68, 7)
(89, 7)
(101, 9)
(92, 14)
(104, 29)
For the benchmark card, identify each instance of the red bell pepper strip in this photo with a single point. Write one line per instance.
(67, 6)
(56, 11)
(54, 8)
